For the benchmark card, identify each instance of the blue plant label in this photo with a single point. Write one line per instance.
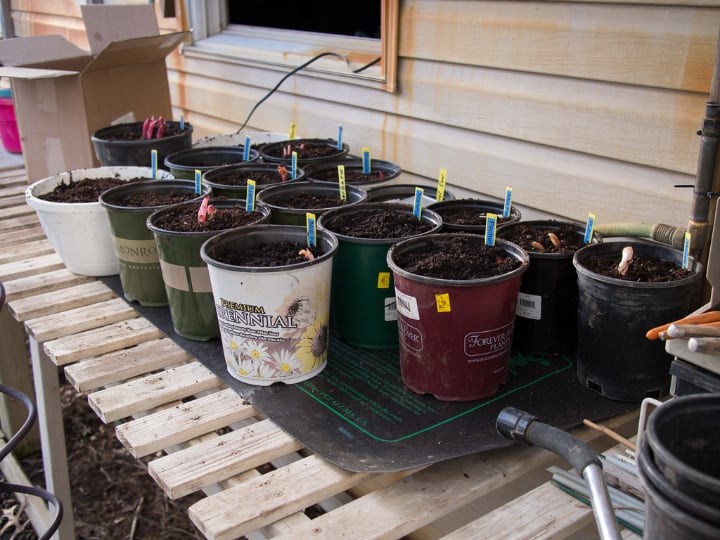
(508, 202)
(590, 225)
(339, 137)
(686, 251)
(310, 224)
(367, 166)
(250, 196)
(246, 149)
(198, 181)
(293, 166)
(153, 163)
(417, 204)
(182, 123)
(490, 227)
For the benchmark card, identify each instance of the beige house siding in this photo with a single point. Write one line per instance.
(579, 107)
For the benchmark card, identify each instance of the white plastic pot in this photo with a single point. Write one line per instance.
(80, 232)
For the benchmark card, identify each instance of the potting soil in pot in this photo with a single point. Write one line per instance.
(83, 190)
(185, 219)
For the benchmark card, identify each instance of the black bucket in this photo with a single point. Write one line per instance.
(614, 358)
(679, 470)
(546, 315)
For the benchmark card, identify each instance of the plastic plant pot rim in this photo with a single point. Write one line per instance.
(284, 192)
(262, 234)
(266, 150)
(418, 242)
(100, 135)
(249, 166)
(427, 215)
(217, 203)
(182, 159)
(548, 223)
(354, 163)
(179, 184)
(51, 182)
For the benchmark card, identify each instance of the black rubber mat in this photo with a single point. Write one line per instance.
(357, 413)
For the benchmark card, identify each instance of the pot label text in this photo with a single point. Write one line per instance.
(407, 305)
(490, 343)
(529, 306)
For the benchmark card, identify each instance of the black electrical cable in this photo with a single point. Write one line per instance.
(298, 68)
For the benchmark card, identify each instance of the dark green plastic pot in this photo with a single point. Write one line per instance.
(183, 164)
(231, 180)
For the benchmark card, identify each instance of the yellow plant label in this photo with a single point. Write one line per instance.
(442, 301)
(383, 280)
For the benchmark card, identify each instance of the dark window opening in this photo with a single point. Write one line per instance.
(360, 19)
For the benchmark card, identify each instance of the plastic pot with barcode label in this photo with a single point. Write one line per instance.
(546, 317)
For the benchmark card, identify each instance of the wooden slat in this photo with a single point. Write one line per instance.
(31, 248)
(181, 423)
(110, 338)
(50, 302)
(17, 211)
(191, 469)
(74, 321)
(27, 234)
(152, 391)
(28, 267)
(280, 493)
(47, 281)
(20, 222)
(12, 200)
(118, 366)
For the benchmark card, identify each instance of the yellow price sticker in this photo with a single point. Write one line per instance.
(442, 302)
(383, 280)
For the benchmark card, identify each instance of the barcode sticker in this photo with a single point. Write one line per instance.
(529, 306)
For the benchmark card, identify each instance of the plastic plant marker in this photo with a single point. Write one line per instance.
(250, 197)
(198, 181)
(311, 232)
(293, 166)
(686, 250)
(442, 179)
(490, 227)
(153, 163)
(367, 167)
(417, 205)
(246, 150)
(589, 228)
(293, 131)
(341, 182)
(508, 202)
(339, 137)
(182, 122)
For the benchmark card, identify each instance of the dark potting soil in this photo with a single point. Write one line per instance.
(461, 257)
(304, 149)
(390, 221)
(311, 200)
(82, 191)
(539, 238)
(642, 268)
(267, 255)
(185, 219)
(465, 216)
(147, 199)
(351, 175)
(134, 133)
(260, 177)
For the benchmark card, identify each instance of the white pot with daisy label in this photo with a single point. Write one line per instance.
(271, 287)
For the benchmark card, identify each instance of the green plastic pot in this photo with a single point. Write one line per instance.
(184, 163)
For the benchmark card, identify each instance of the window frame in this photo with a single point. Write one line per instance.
(213, 37)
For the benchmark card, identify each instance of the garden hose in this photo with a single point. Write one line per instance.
(660, 232)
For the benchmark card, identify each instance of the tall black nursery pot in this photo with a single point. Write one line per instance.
(122, 144)
(614, 357)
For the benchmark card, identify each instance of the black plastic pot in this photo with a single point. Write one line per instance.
(546, 316)
(277, 152)
(614, 357)
(219, 178)
(447, 207)
(183, 164)
(122, 144)
(381, 172)
(405, 193)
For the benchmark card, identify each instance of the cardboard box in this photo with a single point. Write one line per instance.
(63, 94)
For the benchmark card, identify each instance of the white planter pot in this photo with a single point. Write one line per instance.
(80, 232)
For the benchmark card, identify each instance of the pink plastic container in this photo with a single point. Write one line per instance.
(8, 126)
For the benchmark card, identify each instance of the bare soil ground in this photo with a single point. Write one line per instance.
(112, 492)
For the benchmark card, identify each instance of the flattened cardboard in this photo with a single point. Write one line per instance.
(62, 94)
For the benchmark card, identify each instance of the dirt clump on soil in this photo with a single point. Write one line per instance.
(563, 238)
(642, 268)
(184, 218)
(380, 221)
(457, 256)
(83, 191)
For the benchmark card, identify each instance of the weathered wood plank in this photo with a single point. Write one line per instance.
(47, 281)
(50, 302)
(118, 366)
(31, 248)
(19, 222)
(29, 233)
(189, 470)
(12, 200)
(98, 341)
(27, 267)
(152, 391)
(275, 495)
(181, 423)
